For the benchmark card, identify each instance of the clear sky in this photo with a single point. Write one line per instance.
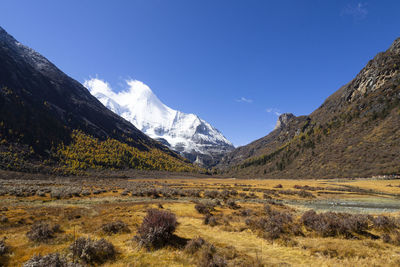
(236, 64)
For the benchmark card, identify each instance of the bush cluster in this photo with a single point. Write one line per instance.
(310, 188)
(146, 190)
(24, 191)
(212, 194)
(305, 194)
(275, 224)
(329, 224)
(335, 224)
(227, 193)
(65, 192)
(51, 260)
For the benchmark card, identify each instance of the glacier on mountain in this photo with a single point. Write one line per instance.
(185, 133)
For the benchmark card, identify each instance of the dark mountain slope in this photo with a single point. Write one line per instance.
(40, 106)
(355, 132)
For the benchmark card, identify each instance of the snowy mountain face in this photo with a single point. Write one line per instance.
(188, 134)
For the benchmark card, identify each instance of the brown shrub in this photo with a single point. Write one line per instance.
(3, 247)
(211, 194)
(115, 227)
(396, 239)
(306, 187)
(41, 232)
(267, 209)
(266, 196)
(232, 204)
(386, 238)
(246, 212)
(384, 223)
(210, 258)
(204, 208)
(194, 245)
(276, 224)
(90, 251)
(157, 228)
(210, 220)
(305, 194)
(3, 219)
(225, 193)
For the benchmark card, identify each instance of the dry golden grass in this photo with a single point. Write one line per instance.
(84, 216)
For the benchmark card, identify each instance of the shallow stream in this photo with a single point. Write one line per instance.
(370, 205)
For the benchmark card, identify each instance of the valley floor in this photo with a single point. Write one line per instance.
(239, 223)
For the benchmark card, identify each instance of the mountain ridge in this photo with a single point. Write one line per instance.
(185, 133)
(352, 134)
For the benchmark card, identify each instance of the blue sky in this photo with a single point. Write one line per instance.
(236, 64)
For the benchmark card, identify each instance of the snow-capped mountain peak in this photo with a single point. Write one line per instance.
(186, 133)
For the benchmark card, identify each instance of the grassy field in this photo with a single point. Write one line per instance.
(242, 222)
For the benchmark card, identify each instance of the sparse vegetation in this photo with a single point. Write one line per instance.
(249, 234)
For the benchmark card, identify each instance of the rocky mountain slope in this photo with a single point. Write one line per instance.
(185, 133)
(354, 133)
(287, 127)
(43, 111)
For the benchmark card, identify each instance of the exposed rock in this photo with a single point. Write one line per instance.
(283, 120)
